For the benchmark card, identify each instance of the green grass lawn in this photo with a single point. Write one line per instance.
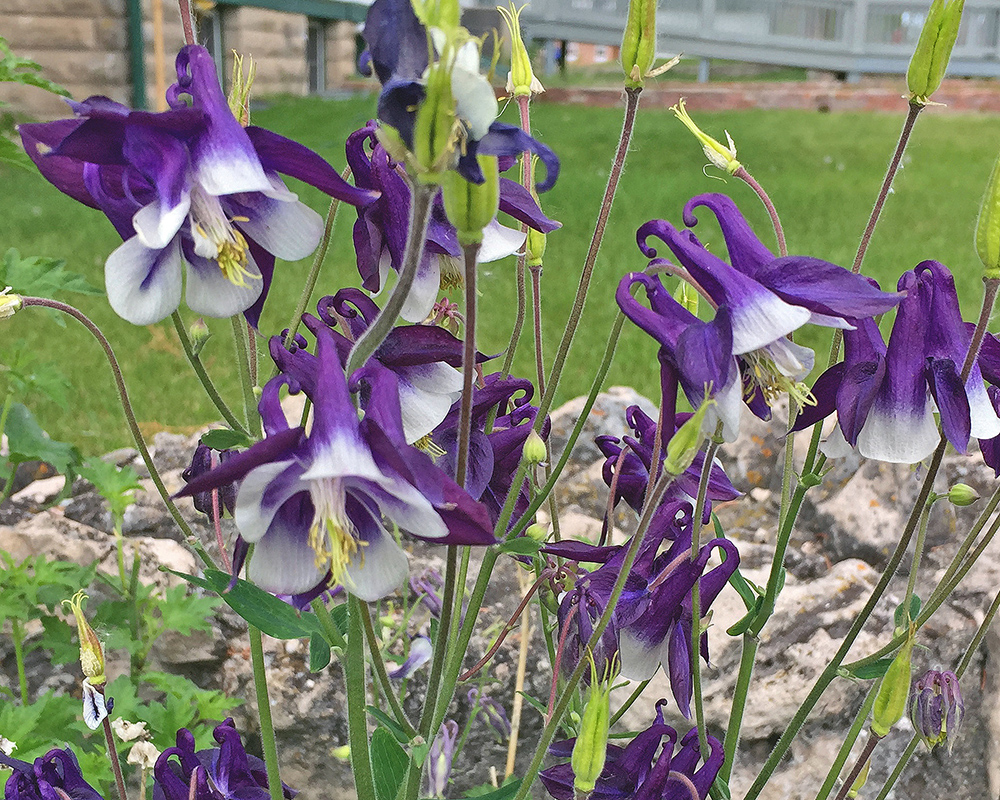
(822, 171)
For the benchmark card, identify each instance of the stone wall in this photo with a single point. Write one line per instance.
(341, 64)
(275, 40)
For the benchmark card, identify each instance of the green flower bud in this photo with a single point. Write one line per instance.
(721, 156)
(537, 531)
(988, 226)
(470, 206)
(962, 495)
(535, 247)
(9, 303)
(591, 748)
(443, 14)
(639, 42)
(534, 449)
(91, 650)
(521, 81)
(685, 444)
(199, 335)
(930, 59)
(435, 129)
(893, 694)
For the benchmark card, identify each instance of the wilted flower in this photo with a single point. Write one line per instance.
(495, 714)
(936, 708)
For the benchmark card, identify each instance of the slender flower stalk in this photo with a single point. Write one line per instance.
(133, 426)
(242, 343)
(354, 672)
(116, 767)
(187, 21)
(628, 126)
(378, 663)
(863, 758)
(267, 741)
(850, 739)
(468, 363)
(420, 214)
(890, 174)
(772, 212)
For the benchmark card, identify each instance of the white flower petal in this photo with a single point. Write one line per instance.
(836, 446)
(253, 517)
(143, 284)
(762, 320)
(156, 226)
(985, 423)
(475, 101)
(891, 434)
(376, 570)
(424, 291)
(426, 394)
(639, 660)
(283, 562)
(499, 241)
(211, 293)
(290, 230)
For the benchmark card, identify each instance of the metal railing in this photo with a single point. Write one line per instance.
(849, 36)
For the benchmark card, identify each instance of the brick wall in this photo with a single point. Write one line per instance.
(276, 41)
(341, 65)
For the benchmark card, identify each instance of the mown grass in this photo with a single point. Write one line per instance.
(822, 172)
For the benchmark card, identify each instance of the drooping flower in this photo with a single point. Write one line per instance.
(493, 711)
(885, 396)
(398, 52)
(313, 505)
(937, 708)
(649, 766)
(439, 759)
(766, 298)
(421, 651)
(195, 196)
(633, 474)
(381, 228)
(226, 772)
(50, 777)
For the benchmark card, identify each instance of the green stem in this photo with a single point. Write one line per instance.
(569, 690)
(748, 656)
(863, 758)
(918, 551)
(429, 715)
(628, 125)
(897, 156)
(904, 759)
(267, 741)
(852, 737)
(199, 369)
(330, 632)
(116, 767)
(422, 200)
(831, 670)
(699, 510)
(628, 703)
(469, 251)
(22, 678)
(354, 672)
(383, 677)
(246, 381)
(133, 426)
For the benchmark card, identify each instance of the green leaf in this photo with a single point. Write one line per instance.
(186, 613)
(505, 792)
(225, 439)
(28, 442)
(741, 627)
(390, 723)
(10, 153)
(521, 546)
(27, 376)
(115, 484)
(874, 670)
(720, 789)
(389, 764)
(43, 277)
(262, 610)
(319, 653)
(15, 69)
(900, 616)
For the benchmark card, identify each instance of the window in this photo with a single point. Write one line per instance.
(316, 56)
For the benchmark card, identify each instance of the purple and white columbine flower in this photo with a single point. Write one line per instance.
(50, 777)
(190, 191)
(885, 396)
(636, 770)
(313, 505)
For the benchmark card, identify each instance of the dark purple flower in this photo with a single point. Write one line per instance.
(937, 708)
(204, 460)
(226, 772)
(428, 585)
(643, 768)
(885, 396)
(51, 777)
(189, 187)
(634, 471)
(381, 228)
(313, 505)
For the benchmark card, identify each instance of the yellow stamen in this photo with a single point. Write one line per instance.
(331, 536)
(773, 383)
(426, 443)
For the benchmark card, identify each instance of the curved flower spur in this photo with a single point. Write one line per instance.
(195, 196)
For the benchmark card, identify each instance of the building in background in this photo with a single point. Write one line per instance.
(125, 48)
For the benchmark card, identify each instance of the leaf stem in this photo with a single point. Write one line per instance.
(199, 368)
(383, 677)
(267, 741)
(354, 673)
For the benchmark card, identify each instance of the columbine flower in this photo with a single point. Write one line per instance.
(54, 775)
(439, 759)
(937, 709)
(421, 650)
(187, 188)
(495, 714)
(398, 52)
(883, 394)
(636, 770)
(313, 505)
(226, 772)
(381, 227)
(766, 297)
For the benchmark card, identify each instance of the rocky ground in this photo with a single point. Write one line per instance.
(846, 530)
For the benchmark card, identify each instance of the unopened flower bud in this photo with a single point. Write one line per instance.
(535, 247)
(534, 448)
(342, 753)
(91, 651)
(890, 703)
(936, 708)
(721, 156)
(962, 495)
(9, 303)
(437, 13)
(860, 781)
(521, 81)
(684, 445)
(639, 41)
(591, 748)
(439, 758)
(199, 335)
(930, 59)
(434, 129)
(988, 226)
(537, 531)
(470, 206)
